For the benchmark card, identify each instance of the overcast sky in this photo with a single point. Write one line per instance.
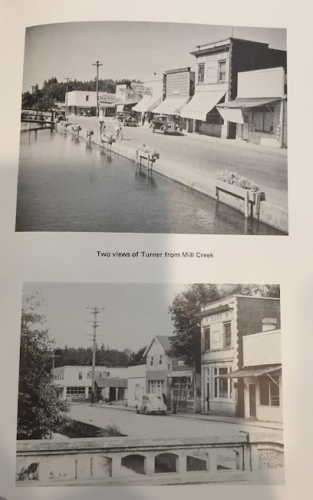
(126, 49)
(133, 313)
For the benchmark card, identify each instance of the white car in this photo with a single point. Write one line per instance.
(151, 403)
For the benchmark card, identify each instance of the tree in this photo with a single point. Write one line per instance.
(137, 358)
(40, 412)
(185, 309)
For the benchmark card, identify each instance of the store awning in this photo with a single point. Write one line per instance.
(231, 115)
(181, 373)
(201, 104)
(242, 103)
(252, 371)
(111, 382)
(170, 106)
(148, 103)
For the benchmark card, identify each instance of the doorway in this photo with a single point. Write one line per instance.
(245, 128)
(252, 400)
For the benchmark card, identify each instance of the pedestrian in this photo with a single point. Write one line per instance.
(164, 398)
(143, 118)
(174, 404)
(118, 129)
(101, 122)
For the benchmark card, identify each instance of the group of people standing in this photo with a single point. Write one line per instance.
(118, 128)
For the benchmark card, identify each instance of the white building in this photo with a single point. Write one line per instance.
(153, 91)
(83, 100)
(260, 109)
(75, 381)
(136, 378)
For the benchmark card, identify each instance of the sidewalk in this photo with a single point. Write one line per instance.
(197, 167)
(210, 418)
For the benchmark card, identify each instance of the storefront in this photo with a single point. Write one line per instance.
(202, 112)
(262, 391)
(181, 384)
(112, 389)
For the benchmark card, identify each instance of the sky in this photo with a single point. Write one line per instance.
(126, 49)
(133, 314)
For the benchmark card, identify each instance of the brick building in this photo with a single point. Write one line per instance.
(224, 324)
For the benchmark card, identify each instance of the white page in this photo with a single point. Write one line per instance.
(71, 257)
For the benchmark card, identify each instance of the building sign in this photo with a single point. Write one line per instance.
(108, 98)
(131, 95)
(218, 317)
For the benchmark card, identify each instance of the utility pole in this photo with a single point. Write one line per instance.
(67, 78)
(33, 87)
(95, 324)
(97, 63)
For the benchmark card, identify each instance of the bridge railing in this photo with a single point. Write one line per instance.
(114, 460)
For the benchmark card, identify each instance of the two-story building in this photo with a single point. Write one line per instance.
(218, 64)
(170, 376)
(224, 324)
(179, 87)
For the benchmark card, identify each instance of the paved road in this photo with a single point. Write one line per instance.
(209, 155)
(157, 426)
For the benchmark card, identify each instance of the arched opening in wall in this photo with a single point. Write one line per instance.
(102, 468)
(196, 463)
(228, 460)
(135, 463)
(166, 462)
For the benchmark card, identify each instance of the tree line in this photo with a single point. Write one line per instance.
(104, 357)
(53, 91)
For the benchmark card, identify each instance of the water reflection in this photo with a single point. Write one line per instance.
(68, 185)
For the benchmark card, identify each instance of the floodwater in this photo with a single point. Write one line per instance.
(66, 185)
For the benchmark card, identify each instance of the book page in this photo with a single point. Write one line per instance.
(155, 259)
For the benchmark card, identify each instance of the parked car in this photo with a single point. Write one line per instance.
(151, 403)
(127, 119)
(165, 124)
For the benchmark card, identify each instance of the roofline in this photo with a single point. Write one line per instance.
(277, 330)
(226, 41)
(179, 70)
(155, 338)
(90, 366)
(235, 295)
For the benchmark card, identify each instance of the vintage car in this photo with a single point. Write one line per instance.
(165, 124)
(151, 403)
(127, 119)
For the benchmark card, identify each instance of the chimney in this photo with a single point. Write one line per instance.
(269, 324)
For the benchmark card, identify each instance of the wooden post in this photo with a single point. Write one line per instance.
(246, 203)
(257, 202)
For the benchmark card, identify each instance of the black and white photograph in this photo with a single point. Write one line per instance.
(149, 384)
(149, 127)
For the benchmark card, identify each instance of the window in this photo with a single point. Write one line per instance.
(222, 71)
(263, 120)
(227, 335)
(214, 118)
(269, 391)
(200, 73)
(207, 343)
(75, 391)
(181, 363)
(160, 359)
(222, 386)
(80, 375)
(151, 361)
(87, 97)
(156, 386)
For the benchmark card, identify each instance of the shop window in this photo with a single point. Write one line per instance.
(207, 342)
(269, 391)
(87, 97)
(222, 386)
(214, 118)
(183, 389)
(222, 71)
(80, 375)
(75, 391)
(263, 120)
(227, 335)
(200, 73)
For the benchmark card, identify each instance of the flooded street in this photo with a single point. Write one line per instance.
(66, 185)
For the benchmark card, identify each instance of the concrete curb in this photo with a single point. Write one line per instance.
(272, 215)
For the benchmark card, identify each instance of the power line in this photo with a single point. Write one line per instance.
(95, 323)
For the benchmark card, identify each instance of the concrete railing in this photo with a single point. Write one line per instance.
(139, 461)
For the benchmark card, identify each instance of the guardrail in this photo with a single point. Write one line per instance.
(155, 461)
